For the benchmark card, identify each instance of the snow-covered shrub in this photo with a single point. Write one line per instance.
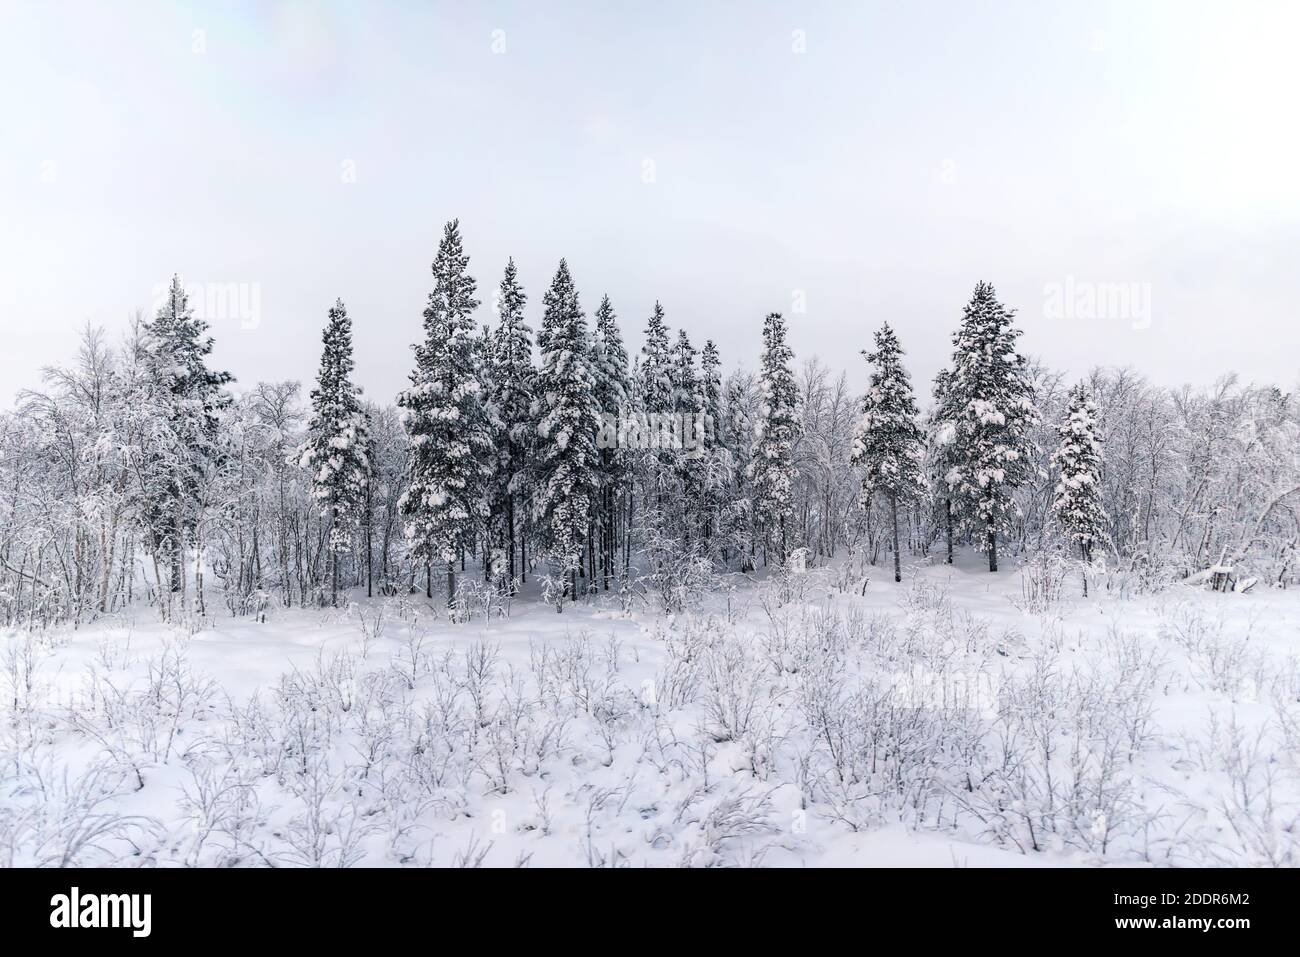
(784, 587)
(372, 622)
(718, 825)
(1249, 817)
(1058, 770)
(225, 815)
(732, 691)
(678, 682)
(324, 832)
(50, 817)
(1227, 663)
(137, 722)
(1042, 581)
(679, 576)
(853, 574)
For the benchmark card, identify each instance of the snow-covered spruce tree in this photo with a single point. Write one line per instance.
(635, 460)
(451, 452)
(656, 365)
(1077, 463)
(771, 469)
(336, 452)
(940, 435)
(190, 398)
(567, 459)
(612, 387)
(491, 531)
(735, 436)
(715, 459)
(511, 401)
(654, 388)
(685, 378)
(687, 454)
(889, 445)
(993, 416)
(710, 402)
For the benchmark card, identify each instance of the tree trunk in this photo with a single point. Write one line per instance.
(627, 533)
(893, 509)
(607, 539)
(947, 512)
(510, 536)
(178, 570)
(993, 547)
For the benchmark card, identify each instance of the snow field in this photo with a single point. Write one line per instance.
(958, 718)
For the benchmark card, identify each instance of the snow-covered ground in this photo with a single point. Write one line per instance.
(956, 719)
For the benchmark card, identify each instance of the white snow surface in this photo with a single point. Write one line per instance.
(598, 737)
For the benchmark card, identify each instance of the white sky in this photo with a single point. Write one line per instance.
(910, 151)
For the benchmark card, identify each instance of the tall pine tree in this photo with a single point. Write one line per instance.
(1077, 461)
(451, 453)
(941, 434)
(686, 452)
(657, 365)
(888, 445)
(567, 461)
(512, 403)
(337, 446)
(994, 415)
(771, 469)
(190, 397)
(612, 388)
(715, 455)
(655, 390)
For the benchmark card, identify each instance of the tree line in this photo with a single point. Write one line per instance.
(138, 473)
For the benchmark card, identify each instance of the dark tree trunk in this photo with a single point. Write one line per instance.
(898, 567)
(627, 533)
(177, 562)
(947, 512)
(334, 576)
(510, 534)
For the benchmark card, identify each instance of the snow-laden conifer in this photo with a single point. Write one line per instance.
(189, 398)
(512, 405)
(336, 450)
(567, 459)
(612, 389)
(993, 417)
(1077, 463)
(771, 469)
(451, 454)
(889, 445)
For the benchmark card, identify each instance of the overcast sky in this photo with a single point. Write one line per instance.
(844, 163)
